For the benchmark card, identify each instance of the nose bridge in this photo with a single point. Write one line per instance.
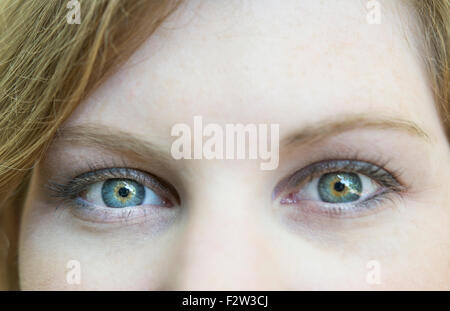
(222, 245)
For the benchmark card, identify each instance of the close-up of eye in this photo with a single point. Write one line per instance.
(113, 194)
(338, 188)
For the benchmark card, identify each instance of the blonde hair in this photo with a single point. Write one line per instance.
(47, 66)
(434, 16)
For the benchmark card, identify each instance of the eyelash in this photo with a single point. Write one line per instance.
(69, 191)
(386, 179)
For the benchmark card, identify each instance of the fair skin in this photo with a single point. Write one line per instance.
(319, 71)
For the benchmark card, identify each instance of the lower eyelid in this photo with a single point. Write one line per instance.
(85, 211)
(106, 214)
(358, 209)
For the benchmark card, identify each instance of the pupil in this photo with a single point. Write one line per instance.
(339, 186)
(123, 192)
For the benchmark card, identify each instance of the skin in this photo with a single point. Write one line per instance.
(300, 65)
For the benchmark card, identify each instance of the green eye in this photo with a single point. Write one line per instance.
(339, 187)
(120, 193)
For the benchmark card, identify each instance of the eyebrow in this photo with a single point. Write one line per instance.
(324, 129)
(114, 139)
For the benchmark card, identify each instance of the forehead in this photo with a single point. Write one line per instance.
(286, 62)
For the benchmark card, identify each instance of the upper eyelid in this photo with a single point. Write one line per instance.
(78, 184)
(114, 172)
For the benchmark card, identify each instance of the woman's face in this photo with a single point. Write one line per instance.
(358, 198)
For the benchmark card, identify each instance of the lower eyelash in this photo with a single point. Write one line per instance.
(88, 212)
(85, 211)
(349, 210)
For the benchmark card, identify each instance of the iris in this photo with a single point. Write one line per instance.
(339, 187)
(120, 193)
